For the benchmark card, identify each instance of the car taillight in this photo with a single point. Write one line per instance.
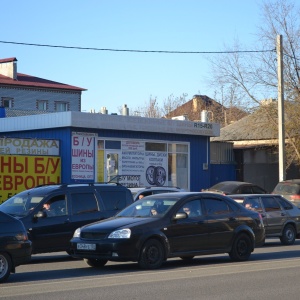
(295, 197)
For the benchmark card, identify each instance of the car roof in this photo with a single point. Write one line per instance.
(290, 181)
(234, 183)
(154, 188)
(45, 189)
(252, 195)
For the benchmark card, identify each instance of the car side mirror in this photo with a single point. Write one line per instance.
(180, 216)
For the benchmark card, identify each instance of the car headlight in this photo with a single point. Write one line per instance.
(21, 236)
(120, 234)
(77, 232)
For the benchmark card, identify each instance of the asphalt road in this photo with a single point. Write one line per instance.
(271, 273)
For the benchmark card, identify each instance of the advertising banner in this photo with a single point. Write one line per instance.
(83, 156)
(19, 173)
(19, 146)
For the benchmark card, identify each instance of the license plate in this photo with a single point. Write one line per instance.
(81, 246)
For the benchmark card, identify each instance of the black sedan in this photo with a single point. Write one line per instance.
(235, 187)
(171, 225)
(15, 248)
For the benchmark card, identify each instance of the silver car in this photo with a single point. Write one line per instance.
(281, 217)
(140, 192)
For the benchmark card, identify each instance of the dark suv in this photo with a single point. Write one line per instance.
(52, 213)
(281, 217)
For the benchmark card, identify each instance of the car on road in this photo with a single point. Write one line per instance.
(185, 224)
(290, 189)
(281, 217)
(51, 213)
(137, 193)
(235, 187)
(15, 248)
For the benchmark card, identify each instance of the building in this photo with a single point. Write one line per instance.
(71, 147)
(215, 112)
(19, 91)
(254, 144)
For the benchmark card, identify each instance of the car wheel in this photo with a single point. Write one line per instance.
(96, 263)
(5, 266)
(288, 235)
(241, 248)
(152, 255)
(187, 257)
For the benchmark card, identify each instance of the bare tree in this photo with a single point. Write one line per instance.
(171, 103)
(150, 110)
(254, 75)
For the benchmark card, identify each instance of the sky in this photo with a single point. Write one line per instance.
(115, 78)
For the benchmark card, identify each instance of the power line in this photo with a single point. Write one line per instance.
(140, 51)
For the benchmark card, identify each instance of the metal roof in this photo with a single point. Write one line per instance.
(102, 121)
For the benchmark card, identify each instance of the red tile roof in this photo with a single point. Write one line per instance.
(31, 81)
(8, 59)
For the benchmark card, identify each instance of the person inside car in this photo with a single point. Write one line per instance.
(189, 211)
(47, 210)
(153, 211)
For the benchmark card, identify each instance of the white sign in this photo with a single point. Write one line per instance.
(132, 158)
(83, 156)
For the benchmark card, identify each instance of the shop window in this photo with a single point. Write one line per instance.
(112, 144)
(156, 147)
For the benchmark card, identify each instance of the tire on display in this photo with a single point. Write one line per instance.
(96, 263)
(241, 248)
(288, 235)
(5, 266)
(152, 255)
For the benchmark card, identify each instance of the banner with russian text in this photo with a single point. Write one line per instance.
(83, 156)
(19, 173)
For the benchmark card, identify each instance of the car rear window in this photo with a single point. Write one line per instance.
(226, 187)
(284, 203)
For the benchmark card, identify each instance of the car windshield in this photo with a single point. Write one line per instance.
(287, 188)
(20, 205)
(148, 207)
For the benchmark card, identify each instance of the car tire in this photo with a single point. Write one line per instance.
(152, 255)
(5, 266)
(241, 248)
(288, 235)
(96, 263)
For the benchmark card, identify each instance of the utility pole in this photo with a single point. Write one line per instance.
(281, 133)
